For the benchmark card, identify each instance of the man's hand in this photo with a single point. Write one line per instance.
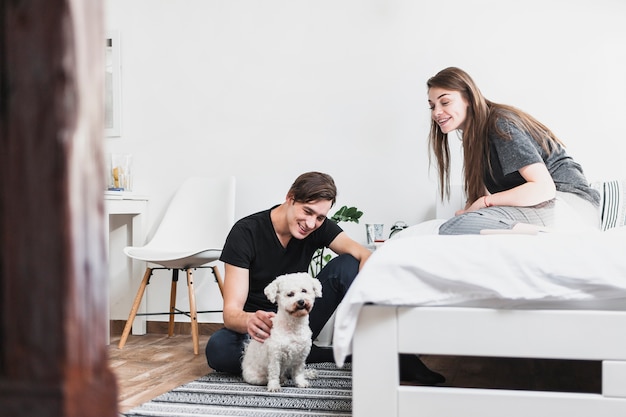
(260, 325)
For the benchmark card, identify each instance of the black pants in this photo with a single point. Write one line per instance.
(225, 347)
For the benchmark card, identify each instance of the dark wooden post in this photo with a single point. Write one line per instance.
(53, 354)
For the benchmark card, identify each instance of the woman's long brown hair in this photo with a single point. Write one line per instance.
(482, 116)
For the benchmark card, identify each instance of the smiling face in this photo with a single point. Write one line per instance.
(448, 108)
(304, 218)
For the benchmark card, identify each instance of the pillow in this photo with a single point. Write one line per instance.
(612, 203)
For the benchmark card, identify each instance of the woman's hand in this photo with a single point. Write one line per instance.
(260, 325)
(480, 203)
(539, 187)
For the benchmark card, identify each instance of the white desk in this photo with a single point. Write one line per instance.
(135, 206)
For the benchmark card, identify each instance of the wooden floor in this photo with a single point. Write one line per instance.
(153, 364)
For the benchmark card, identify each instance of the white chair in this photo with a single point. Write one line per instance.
(190, 235)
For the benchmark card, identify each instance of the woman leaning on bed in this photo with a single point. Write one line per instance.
(517, 173)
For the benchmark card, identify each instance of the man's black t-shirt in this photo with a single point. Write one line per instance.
(252, 244)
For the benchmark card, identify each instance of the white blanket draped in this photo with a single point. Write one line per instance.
(548, 270)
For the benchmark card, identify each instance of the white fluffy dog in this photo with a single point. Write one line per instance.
(284, 352)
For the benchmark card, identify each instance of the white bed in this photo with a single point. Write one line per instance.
(552, 295)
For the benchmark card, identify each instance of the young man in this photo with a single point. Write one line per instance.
(273, 242)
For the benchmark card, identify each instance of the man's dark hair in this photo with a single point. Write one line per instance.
(313, 186)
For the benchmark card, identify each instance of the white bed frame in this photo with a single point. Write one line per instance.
(385, 331)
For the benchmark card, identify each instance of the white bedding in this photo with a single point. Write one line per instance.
(549, 270)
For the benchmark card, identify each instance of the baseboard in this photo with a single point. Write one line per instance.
(160, 327)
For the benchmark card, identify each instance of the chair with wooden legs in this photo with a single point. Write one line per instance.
(190, 236)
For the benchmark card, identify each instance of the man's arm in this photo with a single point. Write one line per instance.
(257, 324)
(344, 244)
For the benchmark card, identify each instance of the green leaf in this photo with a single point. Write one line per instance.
(347, 214)
(344, 214)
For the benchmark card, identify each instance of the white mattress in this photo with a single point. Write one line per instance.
(548, 270)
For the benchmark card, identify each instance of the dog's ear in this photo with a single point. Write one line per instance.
(317, 287)
(271, 291)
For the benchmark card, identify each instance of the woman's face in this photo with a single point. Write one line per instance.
(448, 108)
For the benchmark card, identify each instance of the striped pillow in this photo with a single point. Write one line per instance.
(612, 202)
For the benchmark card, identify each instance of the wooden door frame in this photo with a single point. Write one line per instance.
(53, 353)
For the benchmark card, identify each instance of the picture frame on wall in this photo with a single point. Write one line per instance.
(112, 86)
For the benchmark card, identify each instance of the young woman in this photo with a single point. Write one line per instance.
(517, 174)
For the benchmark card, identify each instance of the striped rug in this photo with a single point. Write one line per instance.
(219, 394)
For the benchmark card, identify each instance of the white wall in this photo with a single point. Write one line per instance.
(268, 90)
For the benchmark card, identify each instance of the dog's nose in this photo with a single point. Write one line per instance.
(300, 303)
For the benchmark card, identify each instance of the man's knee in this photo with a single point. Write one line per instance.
(345, 261)
(224, 350)
(213, 350)
(345, 267)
